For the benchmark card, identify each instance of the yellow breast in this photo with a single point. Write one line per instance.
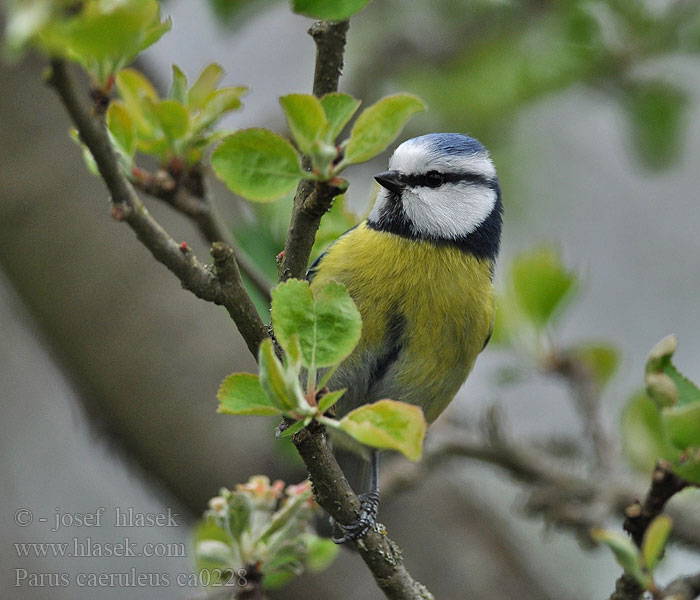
(443, 295)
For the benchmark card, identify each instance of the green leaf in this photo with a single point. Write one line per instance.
(216, 104)
(388, 424)
(656, 112)
(654, 542)
(327, 322)
(173, 118)
(625, 552)
(122, 127)
(257, 164)
(109, 34)
(307, 120)
(272, 378)
(378, 126)
(329, 400)
(136, 92)
(339, 109)
(682, 424)
(242, 394)
(178, 91)
(206, 83)
(644, 438)
(329, 10)
(602, 359)
(541, 284)
(320, 552)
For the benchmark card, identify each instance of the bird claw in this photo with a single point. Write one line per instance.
(369, 507)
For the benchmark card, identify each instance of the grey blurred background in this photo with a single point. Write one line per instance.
(109, 369)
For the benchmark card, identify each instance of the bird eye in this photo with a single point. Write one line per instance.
(434, 179)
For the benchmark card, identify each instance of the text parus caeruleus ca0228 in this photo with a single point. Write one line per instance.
(420, 270)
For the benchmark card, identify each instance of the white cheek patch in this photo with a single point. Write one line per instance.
(450, 211)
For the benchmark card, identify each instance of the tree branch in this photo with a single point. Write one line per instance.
(333, 492)
(564, 498)
(313, 199)
(228, 291)
(330, 46)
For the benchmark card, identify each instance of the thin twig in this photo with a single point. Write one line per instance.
(127, 206)
(188, 193)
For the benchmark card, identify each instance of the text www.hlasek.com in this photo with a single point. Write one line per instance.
(88, 548)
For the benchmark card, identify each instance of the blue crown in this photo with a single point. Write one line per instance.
(452, 143)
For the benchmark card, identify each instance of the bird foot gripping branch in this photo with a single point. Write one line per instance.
(366, 520)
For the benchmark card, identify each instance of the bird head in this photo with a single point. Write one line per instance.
(441, 187)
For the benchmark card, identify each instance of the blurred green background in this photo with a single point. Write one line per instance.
(109, 370)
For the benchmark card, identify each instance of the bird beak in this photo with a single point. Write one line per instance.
(391, 180)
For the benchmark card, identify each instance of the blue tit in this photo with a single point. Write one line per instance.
(420, 270)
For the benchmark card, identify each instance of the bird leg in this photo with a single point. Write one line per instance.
(369, 507)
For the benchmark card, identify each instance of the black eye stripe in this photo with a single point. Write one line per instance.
(430, 179)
